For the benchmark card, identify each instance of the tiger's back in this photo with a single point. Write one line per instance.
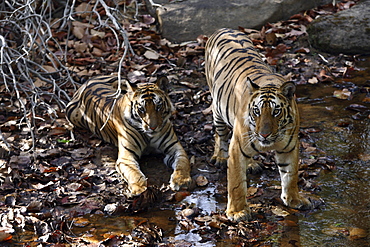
(92, 105)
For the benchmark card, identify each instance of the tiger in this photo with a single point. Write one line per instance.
(257, 108)
(136, 120)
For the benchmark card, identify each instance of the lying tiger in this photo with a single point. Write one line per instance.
(260, 107)
(134, 121)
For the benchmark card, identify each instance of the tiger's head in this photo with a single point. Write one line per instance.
(150, 105)
(270, 113)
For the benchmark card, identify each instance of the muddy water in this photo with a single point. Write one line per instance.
(345, 139)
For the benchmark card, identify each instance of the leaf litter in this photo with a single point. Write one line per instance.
(70, 175)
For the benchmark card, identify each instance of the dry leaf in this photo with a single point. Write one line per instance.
(97, 33)
(201, 180)
(313, 80)
(342, 94)
(357, 233)
(97, 52)
(80, 47)
(279, 211)
(39, 83)
(79, 29)
(83, 7)
(5, 233)
(251, 191)
(151, 54)
(364, 157)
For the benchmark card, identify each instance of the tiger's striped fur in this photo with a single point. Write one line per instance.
(134, 121)
(260, 108)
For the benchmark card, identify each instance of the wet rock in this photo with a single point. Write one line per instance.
(189, 212)
(110, 208)
(186, 20)
(343, 32)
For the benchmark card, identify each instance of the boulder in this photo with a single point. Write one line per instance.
(186, 20)
(345, 32)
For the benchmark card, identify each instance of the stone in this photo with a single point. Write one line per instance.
(185, 20)
(347, 31)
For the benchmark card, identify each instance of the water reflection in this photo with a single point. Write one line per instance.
(346, 190)
(205, 200)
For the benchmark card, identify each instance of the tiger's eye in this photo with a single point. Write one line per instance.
(159, 105)
(276, 112)
(141, 109)
(256, 111)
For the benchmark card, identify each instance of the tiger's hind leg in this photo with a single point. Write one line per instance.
(222, 132)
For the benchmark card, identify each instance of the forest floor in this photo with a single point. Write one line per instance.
(51, 175)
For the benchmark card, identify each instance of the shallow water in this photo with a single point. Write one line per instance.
(345, 190)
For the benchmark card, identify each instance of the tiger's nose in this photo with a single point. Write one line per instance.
(265, 135)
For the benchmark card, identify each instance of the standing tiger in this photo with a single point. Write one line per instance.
(260, 107)
(134, 121)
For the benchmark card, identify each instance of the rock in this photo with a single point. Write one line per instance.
(186, 20)
(346, 32)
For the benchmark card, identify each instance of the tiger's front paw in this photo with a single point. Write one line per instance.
(180, 179)
(298, 202)
(138, 187)
(239, 215)
(254, 168)
(219, 162)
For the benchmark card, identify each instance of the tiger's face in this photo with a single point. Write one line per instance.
(151, 107)
(269, 113)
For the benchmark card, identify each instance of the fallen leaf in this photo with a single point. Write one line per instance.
(57, 131)
(148, 19)
(295, 33)
(279, 211)
(357, 233)
(135, 76)
(251, 191)
(81, 153)
(302, 50)
(271, 38)
(80, 47)
(97, 33)
(366, 99)
(83, 10)
(5, 233)
(342, 94)
(201, 180)
(313, 80)
(188, 84)
(151, 55)
(364, 157)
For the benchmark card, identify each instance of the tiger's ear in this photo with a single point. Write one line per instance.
(163, 83)
(130, 88)
(251, 85)
(288, 89)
